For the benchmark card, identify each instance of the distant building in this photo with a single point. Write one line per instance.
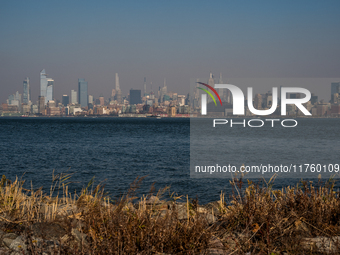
(113, 94)
(135, 96)
(258, 102)
(26, 96)
(322, 109)
(117, 82)
(46, 86)
(211, 82)
(335, 110)
(335, 98)
(119, 97)
(65, 100)
(74, 99)
(14, 99)
(163, 91)
(51, 104)
(313, 99)
(82, 92)
(269, 99)
(335, 88)
(43, 83)
(118, 91)
(41, 106)
(181, 99)
(49, 90)
(172, 111)
(101, 100)
(90, 99)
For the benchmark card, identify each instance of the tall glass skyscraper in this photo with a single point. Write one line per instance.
(43, 83)
(26, 97)
(135, 96)
(118, 91)
(49, 90)
(335, 88)
(46, 86)
(82, 92)
(65, 100)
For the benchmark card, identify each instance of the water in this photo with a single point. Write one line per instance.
(312, 141)
(118, 150)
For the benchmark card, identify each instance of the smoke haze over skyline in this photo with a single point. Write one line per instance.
(176, 40)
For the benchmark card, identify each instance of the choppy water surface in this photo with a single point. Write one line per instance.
(120, 149)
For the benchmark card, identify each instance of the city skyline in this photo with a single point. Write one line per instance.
(47, 87)
(175, 40)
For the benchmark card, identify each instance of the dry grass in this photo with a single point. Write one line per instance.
(275, 221)
(254, 218)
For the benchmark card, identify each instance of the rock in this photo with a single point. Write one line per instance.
(182, 212)
(7, 242)
(47, 231)
(210, 218)
(80, 237)
(10, 235)
(8, 239)
(202, 210)
(153, 200)
(213, 207)
(18, 246)
(321, 244)
(163, 213)
(216, 247)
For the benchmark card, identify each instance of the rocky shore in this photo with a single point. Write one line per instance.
(252, 220)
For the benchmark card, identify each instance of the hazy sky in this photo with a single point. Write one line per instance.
(176, 40)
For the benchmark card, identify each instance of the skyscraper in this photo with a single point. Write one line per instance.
(90, 99)
(335, 88)
(74, 99)
(82, 92)
(101, 100)
(135, 96)
(43, 83)
(119, 97)
(118, 91)
(65, 100)
(46, 86)
(144, 86)
(117, 82)
(41, 105)
(258, 102)
(164, 91)
(211, 82)
(49, 90)
(26, 97)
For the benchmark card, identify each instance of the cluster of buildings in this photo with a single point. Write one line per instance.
(142, 103)
(264, 101)
(80, 103)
